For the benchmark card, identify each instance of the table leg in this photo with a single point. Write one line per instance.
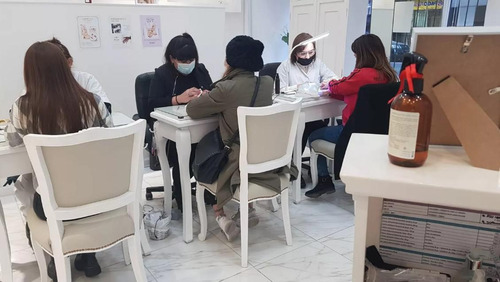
(297, 157)
(161, 145)
(367, 220)
(183, 144)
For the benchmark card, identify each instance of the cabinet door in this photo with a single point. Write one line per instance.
(332, 17)
(303, 18)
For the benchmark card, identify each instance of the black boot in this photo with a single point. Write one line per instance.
(325, 185)
(87, 263)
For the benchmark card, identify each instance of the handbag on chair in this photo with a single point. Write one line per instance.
(212, 154)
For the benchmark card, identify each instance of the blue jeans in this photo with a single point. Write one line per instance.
(330, 134)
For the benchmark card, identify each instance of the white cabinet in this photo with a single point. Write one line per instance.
(318, 16)
(446, 180)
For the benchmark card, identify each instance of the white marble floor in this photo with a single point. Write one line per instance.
(322, 231)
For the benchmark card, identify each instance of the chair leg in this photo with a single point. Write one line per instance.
(126, 253)
(5, 262)
(244, 233)
(274, 203)
(330, 166)
(40, 259)
(314, 168)
(134, 246)
(63, 267)
(286, 216)
(146, 249)
(202, 211)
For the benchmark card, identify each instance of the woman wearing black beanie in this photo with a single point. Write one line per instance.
(243, 59)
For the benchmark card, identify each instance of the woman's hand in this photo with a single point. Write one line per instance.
(323, 85)
(188, 95)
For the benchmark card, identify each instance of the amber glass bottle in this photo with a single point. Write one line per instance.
(410, 126)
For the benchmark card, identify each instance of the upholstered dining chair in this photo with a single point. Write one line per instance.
(90, 184)
(370, 115)
(5, 263)
(278, 123)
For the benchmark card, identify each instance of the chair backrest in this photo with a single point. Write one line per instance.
(267, 136)
(269, 69)
(89, 172)
(371, 115)
(142, 83)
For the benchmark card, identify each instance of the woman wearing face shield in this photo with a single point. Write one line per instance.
(178, 81)
(304, 67)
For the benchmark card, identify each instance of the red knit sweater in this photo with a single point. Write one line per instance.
(346, 88)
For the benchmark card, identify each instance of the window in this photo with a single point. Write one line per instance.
(467, 12)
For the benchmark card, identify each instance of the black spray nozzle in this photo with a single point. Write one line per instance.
(414, 58)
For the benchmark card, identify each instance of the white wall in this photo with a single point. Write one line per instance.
(269, 19)
(492, 13)
(115, 68)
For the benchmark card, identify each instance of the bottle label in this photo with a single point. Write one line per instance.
(403, 130)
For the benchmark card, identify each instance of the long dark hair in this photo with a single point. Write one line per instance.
(299, 38)
(182, 48)
(54, 102)
(370, 53)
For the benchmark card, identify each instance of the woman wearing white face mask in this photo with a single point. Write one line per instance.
(178, 81)
(181, 78)
(304, 67)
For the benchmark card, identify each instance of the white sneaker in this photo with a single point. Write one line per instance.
(253, 219)
(228, 227)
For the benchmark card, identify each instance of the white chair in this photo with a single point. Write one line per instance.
(90, 184)
(5, 262)
(320, 147)
(278, 125)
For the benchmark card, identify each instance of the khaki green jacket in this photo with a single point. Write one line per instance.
(234, 90)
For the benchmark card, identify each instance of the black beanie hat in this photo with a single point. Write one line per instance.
(245, 52)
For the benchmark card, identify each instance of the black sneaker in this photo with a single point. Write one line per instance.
(325, 185)
(87, 263)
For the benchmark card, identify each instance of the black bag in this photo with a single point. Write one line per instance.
(212, 154)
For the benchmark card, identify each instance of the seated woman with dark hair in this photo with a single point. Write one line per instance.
(85, 79)
(54, 103)
(372, 67)
(303, 66)
(236, 88)
(177, 82)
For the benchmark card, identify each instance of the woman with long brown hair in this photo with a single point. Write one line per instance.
(54, 103)
(372, 67)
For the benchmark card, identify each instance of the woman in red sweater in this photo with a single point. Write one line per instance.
(372, 67)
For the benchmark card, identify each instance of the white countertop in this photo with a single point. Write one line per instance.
(446, 178)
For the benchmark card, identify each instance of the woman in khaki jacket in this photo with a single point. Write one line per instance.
(243, 58)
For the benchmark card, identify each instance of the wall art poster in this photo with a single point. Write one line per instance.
(88, 31)
(151, 33)
(121, 35)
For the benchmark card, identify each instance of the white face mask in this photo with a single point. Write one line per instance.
(186, 68)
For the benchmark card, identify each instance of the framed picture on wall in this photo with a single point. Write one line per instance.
(151, 34)
(88, 32)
